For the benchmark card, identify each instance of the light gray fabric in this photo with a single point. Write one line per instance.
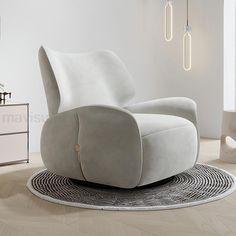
(111, 148)
(104, 157)
(122, 147)
(169, 146)
(97, 77)
(49, 82)
(58, 139)
(176, 106)
(152, 123)
(168, 153)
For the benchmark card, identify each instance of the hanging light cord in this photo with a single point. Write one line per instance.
(187, 12)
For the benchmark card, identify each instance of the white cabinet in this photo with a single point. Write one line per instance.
(14, 133)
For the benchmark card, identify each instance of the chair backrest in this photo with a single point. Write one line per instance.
(83, 79)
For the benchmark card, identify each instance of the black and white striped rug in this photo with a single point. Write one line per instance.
(199, 185)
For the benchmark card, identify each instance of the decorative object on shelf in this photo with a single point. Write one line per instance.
(3, 94)
(187, 44)
(3, 97)
(199, 185)
(228, 137)
(14, 133)
(168, 20)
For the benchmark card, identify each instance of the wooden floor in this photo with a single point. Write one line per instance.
(21, 213)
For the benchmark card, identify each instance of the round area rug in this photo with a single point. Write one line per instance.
(199, 185)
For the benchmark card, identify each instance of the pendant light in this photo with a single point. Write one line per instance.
(168, 20)
(187, 45)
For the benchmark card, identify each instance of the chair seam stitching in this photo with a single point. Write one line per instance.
(163, 131)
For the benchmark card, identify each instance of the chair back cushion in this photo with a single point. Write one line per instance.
(94, 78)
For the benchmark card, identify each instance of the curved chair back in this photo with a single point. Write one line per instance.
(49, 83)
(95, 78)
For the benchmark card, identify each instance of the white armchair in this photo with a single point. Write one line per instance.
(119, 145)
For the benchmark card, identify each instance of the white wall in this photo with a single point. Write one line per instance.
(204, 83)
(134, 30)
(229, 55)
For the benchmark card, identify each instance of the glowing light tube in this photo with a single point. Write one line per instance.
(168, 21)
(187, 50)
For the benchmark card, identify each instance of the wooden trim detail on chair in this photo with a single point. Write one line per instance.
(77, 148)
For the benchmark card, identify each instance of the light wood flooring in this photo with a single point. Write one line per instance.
(21, 213)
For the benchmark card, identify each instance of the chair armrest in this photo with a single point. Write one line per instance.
(110, 146)
(58, 139)
(176, 106)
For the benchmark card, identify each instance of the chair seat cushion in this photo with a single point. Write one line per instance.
(169, 144)
(153, 123)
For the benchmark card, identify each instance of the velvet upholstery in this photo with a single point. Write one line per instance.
(175, 106)
(98, 77)
(120, 145)
(111, 146)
